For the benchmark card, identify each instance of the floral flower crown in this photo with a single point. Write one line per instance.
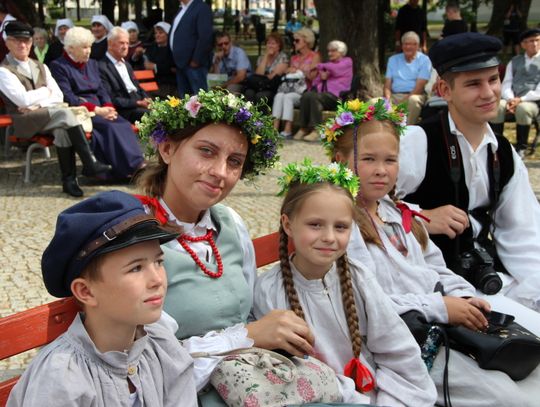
(307, 173)
(354, 112)
(214, 106)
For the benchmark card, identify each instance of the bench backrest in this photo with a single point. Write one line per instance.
(41, 325)
(147, 79)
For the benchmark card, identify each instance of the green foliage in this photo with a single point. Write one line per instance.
(307, 173)
(215, 106)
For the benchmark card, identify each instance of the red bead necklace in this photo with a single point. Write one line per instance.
(209, 238)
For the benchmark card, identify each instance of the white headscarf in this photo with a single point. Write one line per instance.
(103, 20)
(164, 26)
(62, 21)
(129, 25)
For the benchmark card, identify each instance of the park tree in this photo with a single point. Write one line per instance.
(355, 22)
(498, 15)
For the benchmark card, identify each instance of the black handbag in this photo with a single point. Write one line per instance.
(261, 83)
(506, 346)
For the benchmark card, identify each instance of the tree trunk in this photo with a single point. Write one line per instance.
(107, 8)
(498, 14)
(149, 4)
(138, 10)
(28, 12)
(356, 23)
(289, 9)
(123, 11)
(41, 13)
(277, 14)
(171, 7)
(247, 5)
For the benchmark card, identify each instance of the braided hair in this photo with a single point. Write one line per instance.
(295, 197)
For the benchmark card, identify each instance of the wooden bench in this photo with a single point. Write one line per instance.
(147, 80)
(41, 325)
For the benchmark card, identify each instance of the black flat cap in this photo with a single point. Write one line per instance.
(101, 224)
(533, 32)
(19, 29)
(465, 52)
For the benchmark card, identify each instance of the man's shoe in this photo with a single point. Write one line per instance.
(299, 135)
(312, 136)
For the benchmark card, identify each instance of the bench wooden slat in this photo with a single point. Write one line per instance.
(144, 74)
(5, 389)
(149, 86)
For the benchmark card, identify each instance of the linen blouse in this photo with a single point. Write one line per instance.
(409, 281)
(71, 371)
(388, 348)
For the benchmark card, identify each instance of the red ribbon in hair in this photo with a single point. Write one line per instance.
(407, 215)
(363, 379)
(153, 203)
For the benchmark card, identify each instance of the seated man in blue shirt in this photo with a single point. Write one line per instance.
(406, 76)
(230, 60)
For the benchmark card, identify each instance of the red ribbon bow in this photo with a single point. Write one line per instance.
(361, 375)
(153, 203)
(407, 215)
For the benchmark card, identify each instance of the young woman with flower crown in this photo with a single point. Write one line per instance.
(357, 332)
(409, 267)
(205, 144)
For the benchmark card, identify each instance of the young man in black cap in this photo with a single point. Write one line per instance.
(121, 349)
(521, 89)
(470, 182)
(32, 98)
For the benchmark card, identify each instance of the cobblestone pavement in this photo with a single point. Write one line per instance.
(28, 214)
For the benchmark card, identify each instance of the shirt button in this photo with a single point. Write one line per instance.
(132, 370)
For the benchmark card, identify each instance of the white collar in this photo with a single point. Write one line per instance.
(205, 223)
(113, 59)
(527, 58)
(489, 136)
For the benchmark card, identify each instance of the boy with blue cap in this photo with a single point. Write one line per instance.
(120, 350)
(475, 189)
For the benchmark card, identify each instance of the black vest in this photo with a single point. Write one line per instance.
(438, 189)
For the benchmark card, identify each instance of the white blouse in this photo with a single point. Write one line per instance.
(388, 348)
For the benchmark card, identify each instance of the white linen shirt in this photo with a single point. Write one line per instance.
(409, 281)
(14, 90)
(121, 68)
(517, 214)
(177, 21)
(388, 348)
(506, 90)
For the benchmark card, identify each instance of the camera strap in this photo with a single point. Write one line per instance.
(484, 215)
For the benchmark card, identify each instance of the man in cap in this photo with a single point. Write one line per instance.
(101, 26)
(127, 96)
(33, 98)
(521, 89)
(453, 165)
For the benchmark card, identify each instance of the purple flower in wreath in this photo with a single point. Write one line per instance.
(242, 115)
(387, 105)
(158, 135)
(258, 124)
(345, 119)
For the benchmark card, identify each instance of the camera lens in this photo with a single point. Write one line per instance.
(488, 281)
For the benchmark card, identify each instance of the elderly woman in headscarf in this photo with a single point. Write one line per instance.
(113, 139)
(158, 57)
(136, 49)
(56, 48)
(101, 26)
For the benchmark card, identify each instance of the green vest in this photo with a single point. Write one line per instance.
(199, 303)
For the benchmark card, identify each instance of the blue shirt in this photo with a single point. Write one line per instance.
(235, 61)
(404, 74)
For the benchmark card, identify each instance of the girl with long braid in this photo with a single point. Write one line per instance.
(407, 264)
(356, 330)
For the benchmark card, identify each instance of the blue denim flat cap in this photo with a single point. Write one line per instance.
(465, 52)
(101, 224)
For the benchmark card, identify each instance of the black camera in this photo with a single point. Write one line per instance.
(477, 268)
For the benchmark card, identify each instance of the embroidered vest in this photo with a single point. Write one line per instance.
(199, 303)
(525, 80)
(26, 124)
(437, 187)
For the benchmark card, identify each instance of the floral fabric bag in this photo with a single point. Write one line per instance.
(255, 376)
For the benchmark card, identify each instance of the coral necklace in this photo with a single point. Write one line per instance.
(182, 239)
